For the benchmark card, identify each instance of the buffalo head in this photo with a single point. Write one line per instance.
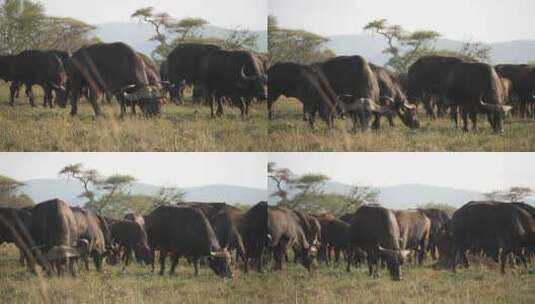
(394, 259)
(148, 97)
(362, 110)
(496, 114)
(257, 83)
(220, 262)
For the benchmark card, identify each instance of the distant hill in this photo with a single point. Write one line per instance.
(137, 35)
(371, 47)
(406, 195)
(43, 189)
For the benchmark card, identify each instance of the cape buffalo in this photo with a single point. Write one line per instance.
(491, 226)
(352, 78)
(15, 227)
(90, 237)
(253, 228)
(185, 231)
(333, 237)
(288, 229)
(308, 85)
(43, 68)
(235, 74)
(55, 233)
(131, 236)
(227, 224)
(522, 77)
(439, 220)
(414, 230)
(184, 65)
(471, 86)
(375, 230)
(391, 94)
(111, 69)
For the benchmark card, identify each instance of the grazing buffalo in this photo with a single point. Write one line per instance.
(288, 229)
(111, 69)
(414, 231)
(253, 228)
(491, 226)
(228, 229)
(91, 240)
(238, 75)
(391, 94)
(333, 237)
(439, 221)
(471, 87)
(41, 68)
(131, 236)
(375, 230)
(522, 77)
(54, 231)
(15, 226)
(153, 76)
(185, 231)
(352, 79)
(184, 66)
(308, 85)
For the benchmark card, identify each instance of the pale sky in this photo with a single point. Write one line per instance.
(477, 20)
(247, 14)
(162, 169)
(482, 172)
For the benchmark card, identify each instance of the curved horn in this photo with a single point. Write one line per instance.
(388, 98)
(372, 106)
(218, 254)
(58, 87)
(244, 76)
(409, 106)
(495, 107)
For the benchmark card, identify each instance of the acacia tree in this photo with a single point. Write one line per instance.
(358, 196)
(513, 194)
(10, 196)
(24, 25)
(87, 177)
(403, 47)
(281, 177)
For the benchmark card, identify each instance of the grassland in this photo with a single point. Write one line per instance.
(180, 128)
(479, 284)
(189, 128)
(287, 132)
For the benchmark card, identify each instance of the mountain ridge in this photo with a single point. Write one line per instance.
(68, 189)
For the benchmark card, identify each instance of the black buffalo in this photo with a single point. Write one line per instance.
(352, 78)
(237, 75)
(184, 66)
(131, 237)
(496, 228)
(55, 233)
(43, 68)
(391, 94)
(307, 84)
(375, 230)
(111, 69)
(185, 231)
(470, 86)
(253, 228)
(522, 78)
(439, 221)
(289, 229)
(90, 237)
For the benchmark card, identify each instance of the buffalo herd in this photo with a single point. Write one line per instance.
(344, 86)
(116, 70)
(54, 235)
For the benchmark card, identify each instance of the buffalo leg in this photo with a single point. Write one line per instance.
(473, 118)
(29, 93)
(174, 263)
(12, 90)
(219, 112)
(163, 255)
(377, 122)
(94, 98)
(196, 264)
(465, 119)
(503, 258)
